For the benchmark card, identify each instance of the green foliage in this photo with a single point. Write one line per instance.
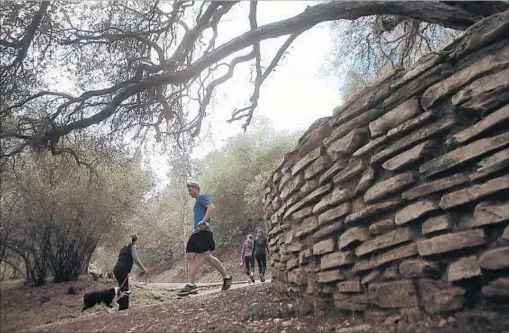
(235, 177)
(55, 212)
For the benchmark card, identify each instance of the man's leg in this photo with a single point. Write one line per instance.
(192, 263)
(214, 262)
(208, 245)
(192, 267)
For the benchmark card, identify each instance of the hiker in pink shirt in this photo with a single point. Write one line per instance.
(247, 257)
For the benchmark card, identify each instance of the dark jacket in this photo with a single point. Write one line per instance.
(260, 246)
(126, 257)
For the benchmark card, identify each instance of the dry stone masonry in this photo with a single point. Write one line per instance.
(400, 201)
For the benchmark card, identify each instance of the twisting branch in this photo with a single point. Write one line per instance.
(247, 112)
(210, 89)
(134, 94)
(24, 44)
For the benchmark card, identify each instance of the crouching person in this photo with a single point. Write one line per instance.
(123, 266)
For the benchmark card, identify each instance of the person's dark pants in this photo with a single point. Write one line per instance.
(262, 263)
(248, 264)
(121, 276)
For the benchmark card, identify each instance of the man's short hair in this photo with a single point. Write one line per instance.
(134, 238)
(193, 185)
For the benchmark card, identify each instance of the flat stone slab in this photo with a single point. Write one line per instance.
(300, 215)
(350, 306)
(491, 164)
(354, 329)
(392, 238)
(485, 124)
(335, 213)
(352, 236)
(340, 164)
(321, 163)
(505, 234)
(345, 127)
(410, 156)
(415, 268)
(489, 212)
(455, 82)
(367, 179)
(351, 171)
(437, 223)
(451, 242)
(350, 286)
(324, 246)
(415, 211)
(306, 160)
(464, 268)
(349, 143)
(495, 259)
(497, 288)
(411, 124)
(395, 117)
(371, 210)
(370, 146)
(298, 276)
(305, 256)
(400, 252)
(297, 247)
(413, 138)
(435, 186)
(445, 300)
(307, 227)
(382, 227)
(397, 294)
(464, 154)
(292, 263)
(390, 186)
(333, 198)
(473, 193)
(308, 187)
(292, 186)
(330, 276)
(337, 259)
(327, 230)
(370, 277)
(309, 199)
(482, 86)
(356, 297)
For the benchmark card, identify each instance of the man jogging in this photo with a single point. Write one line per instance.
(201, 243)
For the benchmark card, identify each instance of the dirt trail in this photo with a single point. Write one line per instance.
(244, 308)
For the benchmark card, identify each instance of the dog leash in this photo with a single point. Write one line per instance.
(120, 288)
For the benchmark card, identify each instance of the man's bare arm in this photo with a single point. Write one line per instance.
(208, 212)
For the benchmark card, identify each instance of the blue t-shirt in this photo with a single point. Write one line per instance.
(200, 208)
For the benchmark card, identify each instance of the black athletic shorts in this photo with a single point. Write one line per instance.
(200, 242)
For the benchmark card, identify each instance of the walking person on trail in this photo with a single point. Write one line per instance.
(247, 257)
(201, 242)
(260, 251)
(123, 266)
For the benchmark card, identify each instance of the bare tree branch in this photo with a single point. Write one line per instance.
(131, 100)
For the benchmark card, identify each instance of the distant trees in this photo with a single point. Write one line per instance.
(235, 177)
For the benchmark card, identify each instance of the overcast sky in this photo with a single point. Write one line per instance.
(292, 97)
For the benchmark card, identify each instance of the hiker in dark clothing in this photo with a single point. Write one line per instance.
(260, 251)
(123, 266)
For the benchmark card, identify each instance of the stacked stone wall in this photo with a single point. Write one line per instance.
(401, 199)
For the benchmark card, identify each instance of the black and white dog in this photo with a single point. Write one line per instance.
(109, 298)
